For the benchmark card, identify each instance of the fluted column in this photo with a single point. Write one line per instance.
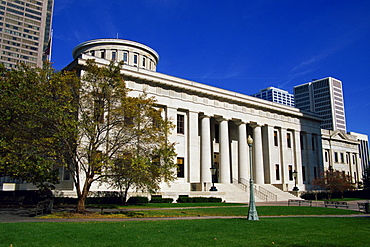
(243, 152)
(224, 152)
(298, 158)
(206, 156)
(193, 151)
(258, 155)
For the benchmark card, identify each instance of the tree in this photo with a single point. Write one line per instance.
(34, 104)
(148, 158)
(334, 181)
(114, 129)
(366, 178)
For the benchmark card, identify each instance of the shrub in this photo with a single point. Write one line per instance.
(198, 199)
(161, 200)
(137, 200)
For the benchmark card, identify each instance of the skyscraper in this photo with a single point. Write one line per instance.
(25, 31)
(276, 95)
(324, 97)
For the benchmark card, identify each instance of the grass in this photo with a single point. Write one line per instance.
(213, 211)
(305, 231)
(168, 205)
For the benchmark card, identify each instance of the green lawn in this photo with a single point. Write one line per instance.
(213, 211)
(304, 231)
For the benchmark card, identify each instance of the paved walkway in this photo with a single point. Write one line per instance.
(10, 215)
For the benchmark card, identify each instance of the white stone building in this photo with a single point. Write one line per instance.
(341, 153)
(212, 126)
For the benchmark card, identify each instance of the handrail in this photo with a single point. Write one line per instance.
(259, 191)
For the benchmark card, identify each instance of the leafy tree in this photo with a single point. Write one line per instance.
(366, 179)
(334, 181)
(115, 129)
(34, 103)
(148, 158)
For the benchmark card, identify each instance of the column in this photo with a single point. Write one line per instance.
(298, 159)
(271, 157)
(206, 156)
(258, 155)
(224, 152)
(193, 150)
(243, 152)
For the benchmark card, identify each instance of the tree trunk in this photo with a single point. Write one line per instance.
(81, 204)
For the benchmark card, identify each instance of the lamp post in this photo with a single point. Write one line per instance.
(295, 188)
(213, 171)
(252, 213)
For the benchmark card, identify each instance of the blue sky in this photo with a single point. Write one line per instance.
(239, 45)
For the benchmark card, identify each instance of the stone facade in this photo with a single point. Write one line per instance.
(212, 126)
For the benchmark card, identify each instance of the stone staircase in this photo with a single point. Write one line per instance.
(239, 192)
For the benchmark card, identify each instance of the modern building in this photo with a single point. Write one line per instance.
(363, 148)
(25, 32)
(212, 126)
(325, 98)
(276, 95)
(341, 153)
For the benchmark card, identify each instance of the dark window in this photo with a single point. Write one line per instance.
(277, 172)
(114, 56)
(99, 111)
(102, 55)
(290, 169)
(180, 167)
(302, 142)
(336, 157)
(276, 143)
(313, 143)
(125, 57)
(288, 140)
(217, 133)
(341, 157)
(135, 59)
(144, 61)
(180, 124)
(304, 173)
(314, 172)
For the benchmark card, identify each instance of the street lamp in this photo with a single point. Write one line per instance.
(295, 188)
(213, 171)
(252, 213)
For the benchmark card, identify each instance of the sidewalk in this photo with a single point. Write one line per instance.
(12, 215)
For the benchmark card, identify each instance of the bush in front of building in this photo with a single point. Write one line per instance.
(185, 199)
(137, 200)
(159, 199)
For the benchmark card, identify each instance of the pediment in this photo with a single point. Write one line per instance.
(339, 135)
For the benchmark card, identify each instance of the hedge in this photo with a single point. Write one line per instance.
(183, 199)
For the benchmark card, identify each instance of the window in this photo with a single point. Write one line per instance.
(125, 56)
(144, 62)
(114, 56)
(276, 143)
(341, 158)
(99, 111)
(302, 142)
(326, 155)
(288, 140)
(102, 53)
(277, 172)
(290, 169)
(135, 59)
(315, 172)
(180, 167)
(313, 139)
(304, 173)
(217, 133)
(336, 157)
(180, 124)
